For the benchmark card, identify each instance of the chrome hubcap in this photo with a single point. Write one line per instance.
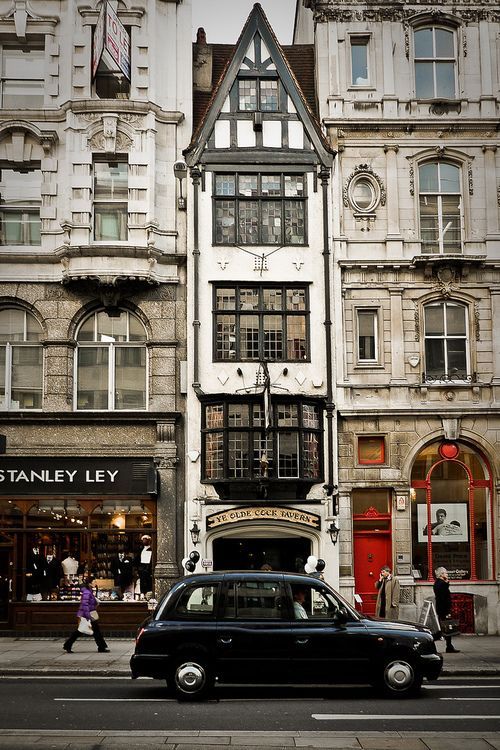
(398, 675)
(190, 677)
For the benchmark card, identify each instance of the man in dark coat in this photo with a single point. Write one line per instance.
(443, 603)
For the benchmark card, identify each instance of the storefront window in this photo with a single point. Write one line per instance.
(451, 513)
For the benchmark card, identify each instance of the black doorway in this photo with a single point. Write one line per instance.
(251, 554)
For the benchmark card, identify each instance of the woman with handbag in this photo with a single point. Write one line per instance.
(88, 619)
(443, 605)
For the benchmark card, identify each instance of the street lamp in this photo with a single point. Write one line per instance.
(180, 172)
(333, 530)
(195, 533)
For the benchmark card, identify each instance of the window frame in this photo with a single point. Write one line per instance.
(374, 312)
(440, 213)
(236, 198)
(25, 210)
(445, 378)
(259, 80)
(434, 60)
(111, 365)
(383, 446)
(256, 434)
(232, 586)
(24, 344)
(25, 49)
(110, 202)
(361, 39)
(261, 313)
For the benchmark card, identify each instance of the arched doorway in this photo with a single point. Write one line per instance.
(251, 548)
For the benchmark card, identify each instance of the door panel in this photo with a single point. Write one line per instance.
(371, 552)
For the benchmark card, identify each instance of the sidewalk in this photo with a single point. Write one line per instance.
(479, 655)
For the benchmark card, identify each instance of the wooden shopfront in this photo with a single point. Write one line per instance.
(63, 519)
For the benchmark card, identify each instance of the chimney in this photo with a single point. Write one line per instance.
(202, 63)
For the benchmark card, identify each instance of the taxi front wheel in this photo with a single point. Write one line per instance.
(400, 678)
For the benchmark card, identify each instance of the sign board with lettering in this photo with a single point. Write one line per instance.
(77, 476)
(111, 43)
(263, 513)
(428, 616)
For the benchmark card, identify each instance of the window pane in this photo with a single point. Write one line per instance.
(310, 467)
(457, 359)
(294, 223)
(225, 184)
(22, 94)
(86, 330)
(271, 184)
(130, 377)
(288, 454)
(362, 194)
(371, 450)
(287, 415)
(434, 320)
(294, 185)
(225, 344)
(434, 358)
(23, 63)
(273, 337)
(225, 229)
(366, 335)
(423, 43)
(26, 377)
(12, 325)
(445, 79)
(272, 299)
(455, 320)
(248, 185)
(225, 299)
(111, 180)
(271, 222)
(238, 415)
(310, 416)
(449, 178)
(136, 329)
(197, 601)
(295, 299)
(214, 416)
(20, 188)
(248, 222)
(249, 299)
(359, 61)
(429, 178)
(429, 223)
(110, 222)
(249, 337)
(445, 46)
(424, 81)
(247, 94)
(268, 96)
(451, 223)
(262, 455)
(238, 455)
(214, 455)
(111, 329)
(257, 599)
(296, 343)
(92, 378)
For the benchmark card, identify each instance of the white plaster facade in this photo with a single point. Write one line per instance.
(386, 129)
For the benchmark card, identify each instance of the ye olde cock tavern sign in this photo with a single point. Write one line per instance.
(263, 513)
(72, 476)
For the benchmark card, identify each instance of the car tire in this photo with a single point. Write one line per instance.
(399, 678)
(191, 679)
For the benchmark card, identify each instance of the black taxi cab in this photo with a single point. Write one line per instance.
(280, 628)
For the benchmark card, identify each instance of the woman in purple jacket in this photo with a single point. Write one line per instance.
(88, 603)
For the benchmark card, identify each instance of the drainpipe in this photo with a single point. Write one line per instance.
(196, 177)
(330, 406)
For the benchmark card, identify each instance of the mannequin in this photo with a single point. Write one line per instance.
(122, 570)
(70, 566)
(143, 563)
(52, 578)
(36, 572)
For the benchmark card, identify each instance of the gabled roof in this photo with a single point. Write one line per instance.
(295, 67)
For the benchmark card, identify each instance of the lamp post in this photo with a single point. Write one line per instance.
(333, 530)
(195, 533)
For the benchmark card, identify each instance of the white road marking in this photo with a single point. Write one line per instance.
(396, 717)
(484, 698)
(460, 687)
(117, 700)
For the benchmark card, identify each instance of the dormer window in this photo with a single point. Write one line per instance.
(258, 95)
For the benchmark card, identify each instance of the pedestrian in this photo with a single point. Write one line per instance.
(88, 605)
(388, 595)
(443, 603)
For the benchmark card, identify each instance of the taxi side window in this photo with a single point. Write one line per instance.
(254, 600)
(312, 603)
(197, 601)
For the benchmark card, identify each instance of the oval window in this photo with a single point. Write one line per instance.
(363, 194)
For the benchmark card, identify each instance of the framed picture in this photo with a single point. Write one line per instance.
(449, 522)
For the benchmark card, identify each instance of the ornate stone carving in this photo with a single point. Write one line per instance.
(446, 276)
(165, 432)
(344, 11)
(411, 173)
(364, 169)
(99, 142)
(416, 316)
(470, 178)
(477, 324)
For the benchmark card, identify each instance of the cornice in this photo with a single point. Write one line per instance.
(466, 11)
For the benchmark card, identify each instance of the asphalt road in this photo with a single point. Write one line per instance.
(121, 704)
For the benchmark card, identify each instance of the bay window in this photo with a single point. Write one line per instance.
(110, 201)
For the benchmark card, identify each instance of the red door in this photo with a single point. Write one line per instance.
(372, 550)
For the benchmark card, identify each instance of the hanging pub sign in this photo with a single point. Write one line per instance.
(111, 43)
(263, 513)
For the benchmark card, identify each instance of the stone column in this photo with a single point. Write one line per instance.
(490, 186)
(495, 324)
(168, 509)
(394, 240)
(397, 337)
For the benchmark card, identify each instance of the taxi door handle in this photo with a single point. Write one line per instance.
(225, 641)
(301, 641)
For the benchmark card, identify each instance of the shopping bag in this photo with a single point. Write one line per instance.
(93, 615)
(85, 626)
(450, 627)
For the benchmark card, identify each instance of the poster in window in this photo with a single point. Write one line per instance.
(449, 522)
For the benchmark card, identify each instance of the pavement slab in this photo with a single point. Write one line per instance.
(392, 743)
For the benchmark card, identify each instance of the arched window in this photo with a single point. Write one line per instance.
(111, 362)
(446, 341)
(20, 360)
(440, 199)
(451, 499)
(435, 63)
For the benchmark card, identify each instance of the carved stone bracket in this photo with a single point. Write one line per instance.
(165, 432)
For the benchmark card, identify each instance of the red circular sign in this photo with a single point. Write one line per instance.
(448, 450)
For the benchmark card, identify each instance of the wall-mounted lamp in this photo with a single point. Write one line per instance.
(180, 172)
(195, 533)
(333, 530)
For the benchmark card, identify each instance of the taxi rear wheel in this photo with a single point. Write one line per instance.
(191, 679)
